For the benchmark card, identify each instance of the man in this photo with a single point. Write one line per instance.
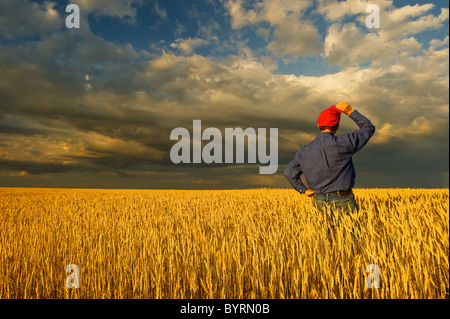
(327, 163)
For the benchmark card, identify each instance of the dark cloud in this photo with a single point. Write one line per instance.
(21, 18)
(34, 168)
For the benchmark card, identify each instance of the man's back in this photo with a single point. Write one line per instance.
(326, 162)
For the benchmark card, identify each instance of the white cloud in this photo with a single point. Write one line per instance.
(294, 38)
(353, 44)
(334, 10)
(292, 35)
(348, 45)
(239, 16)
(123, 9)
(401, 22)
(160, 12)
(187, 46)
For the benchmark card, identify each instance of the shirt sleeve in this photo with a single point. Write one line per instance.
(356, 140)
(292, 173)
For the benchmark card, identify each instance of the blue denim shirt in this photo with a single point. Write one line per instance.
(326, 162)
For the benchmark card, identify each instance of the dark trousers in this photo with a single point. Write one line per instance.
(336, 208)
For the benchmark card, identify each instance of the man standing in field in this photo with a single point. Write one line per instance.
(327, 163)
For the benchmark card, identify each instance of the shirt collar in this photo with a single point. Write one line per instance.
(323, 134)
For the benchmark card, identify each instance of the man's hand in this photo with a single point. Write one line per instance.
(344, 107)
(309, 193)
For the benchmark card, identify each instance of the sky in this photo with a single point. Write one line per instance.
(95, 106)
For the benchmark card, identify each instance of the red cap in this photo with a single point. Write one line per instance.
(329, 117)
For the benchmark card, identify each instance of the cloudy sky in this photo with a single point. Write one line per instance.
(94, 106)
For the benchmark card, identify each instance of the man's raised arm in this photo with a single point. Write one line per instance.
(358, 138)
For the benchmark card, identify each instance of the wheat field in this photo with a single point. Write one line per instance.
(258, 243)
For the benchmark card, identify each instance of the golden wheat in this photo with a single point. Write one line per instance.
(260, 243)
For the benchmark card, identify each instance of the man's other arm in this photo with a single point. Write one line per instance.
(292, 173)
